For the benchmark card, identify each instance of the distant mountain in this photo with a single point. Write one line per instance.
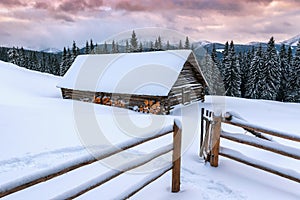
(51, 50)
(292, 42)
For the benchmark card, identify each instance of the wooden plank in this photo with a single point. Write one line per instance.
(95, 182)
(261, 129)
(216, 132)
(237, 156)
(26, 182)
(146, 181)
(201, 129)
(176, 157)
(263, 144)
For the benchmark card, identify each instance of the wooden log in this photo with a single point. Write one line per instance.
(146, 181)
(176, 156)
(264, 130)
(263, 144)
(201, 130)
(234, 155)
(95, 182)
(206, 138)
(26, 182)
(216, 132)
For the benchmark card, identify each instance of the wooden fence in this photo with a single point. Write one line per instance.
(175, 146)
(211, 135)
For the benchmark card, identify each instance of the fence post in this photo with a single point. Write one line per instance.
(177, 128)
(216, 132)
(201, 130)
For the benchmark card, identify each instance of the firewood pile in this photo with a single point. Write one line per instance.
(105, 100)
(150, 106)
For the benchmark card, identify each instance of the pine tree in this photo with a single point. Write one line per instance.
(114, 47)
(91, 46)
(187, 43)
(290, 56)
(133, 42)
(151, 46)
(117, 47)
(156, 45)
(294, 84)
(254, 82)
(180, 45)
(225, 60)
(217, 86)
(232, 80)
(75, 53)
(141, 47)
(285, 71)
(87, 48)
(105, 48)
(64, 63)
(168, 45)
(13, 56)
(271, 73)
(159, 46)
(127, 48)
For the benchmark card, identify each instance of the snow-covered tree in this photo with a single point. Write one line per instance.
(127, 47)
(232, 78)
(87, 48)
(180, 45)
(225, 61)
(105, 48)
(92, 46)
(271, 73)
(159, 42)
(168, 45)
(254, 82)
(114, 47)
(133, 42)
(187, 43)
(141, 47)
(285, 72)
(13, 56)
(294, 84)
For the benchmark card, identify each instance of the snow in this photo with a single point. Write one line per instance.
(40, 131)
(292, 41)
(114, 173)
(267, 166)
(150, 73)
(264, 143)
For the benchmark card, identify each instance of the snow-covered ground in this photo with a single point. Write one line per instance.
(40, 130)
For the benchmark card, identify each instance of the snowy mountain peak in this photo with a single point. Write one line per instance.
(293, 41)
(202, 43)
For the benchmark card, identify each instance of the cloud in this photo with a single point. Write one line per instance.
(36, 22)
(12, 3)
(130, 6)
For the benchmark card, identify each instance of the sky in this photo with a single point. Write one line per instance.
(40, 24)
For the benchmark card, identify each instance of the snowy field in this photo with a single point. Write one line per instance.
(40, 130)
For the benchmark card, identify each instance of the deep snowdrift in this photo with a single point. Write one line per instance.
(39, 130)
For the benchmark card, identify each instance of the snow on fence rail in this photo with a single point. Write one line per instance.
(211, 134)
(45, 175)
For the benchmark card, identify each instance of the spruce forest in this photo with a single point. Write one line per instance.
(258, 72)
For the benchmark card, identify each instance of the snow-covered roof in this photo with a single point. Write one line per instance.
(146, 73)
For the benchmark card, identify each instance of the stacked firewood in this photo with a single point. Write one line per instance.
(119, 103)
(150, 106)
(104, 100)
(109, 102)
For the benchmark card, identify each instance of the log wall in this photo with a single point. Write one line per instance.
(188, 79)
(139, 103)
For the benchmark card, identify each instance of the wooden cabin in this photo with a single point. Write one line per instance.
(148, 82)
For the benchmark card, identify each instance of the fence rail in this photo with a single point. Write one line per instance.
(28, 181)
(211, 134)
